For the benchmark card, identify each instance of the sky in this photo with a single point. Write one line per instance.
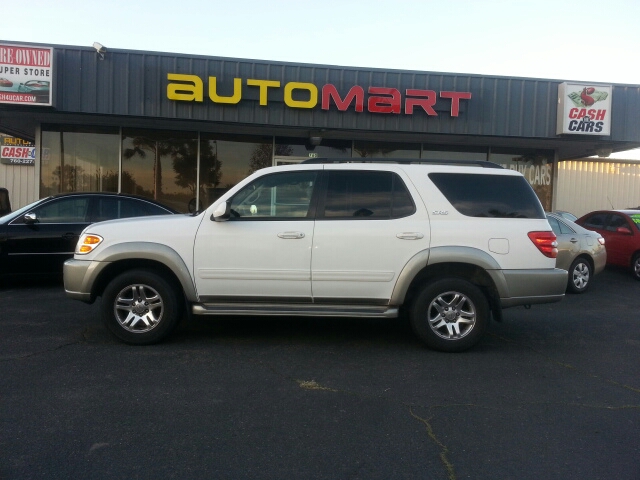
(587, 41)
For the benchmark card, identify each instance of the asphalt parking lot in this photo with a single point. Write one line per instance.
(550, 393)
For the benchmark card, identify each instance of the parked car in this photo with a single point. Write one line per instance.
(581, 252)
(5, 83)
(38, 88)
(38, 238)
(452, 244)
(567, 215)
(621, 231)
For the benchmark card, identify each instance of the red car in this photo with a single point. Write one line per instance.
(5, 83)
(621, 231)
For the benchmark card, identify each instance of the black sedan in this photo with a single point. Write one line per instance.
(38, 238)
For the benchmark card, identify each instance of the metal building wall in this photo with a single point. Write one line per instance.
(133, 83)
(20, 181)
(587, 185)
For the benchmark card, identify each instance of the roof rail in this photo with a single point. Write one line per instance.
(406, 161)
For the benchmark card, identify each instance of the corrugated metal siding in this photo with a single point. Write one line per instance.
(134, 84)
(19, 180)
(584, 186)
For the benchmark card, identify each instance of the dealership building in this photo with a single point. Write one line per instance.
(184, 128)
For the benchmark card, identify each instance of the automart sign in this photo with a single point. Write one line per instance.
(15, 151)
(191, 88)
(584, 109)
(26, 75)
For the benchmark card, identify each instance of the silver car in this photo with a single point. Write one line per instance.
(580, 251)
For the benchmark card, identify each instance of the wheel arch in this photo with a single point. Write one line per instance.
(146, 255)
(467, 263)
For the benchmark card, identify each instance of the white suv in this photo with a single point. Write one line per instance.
(452, 244)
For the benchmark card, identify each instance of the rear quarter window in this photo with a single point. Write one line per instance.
(496, 196)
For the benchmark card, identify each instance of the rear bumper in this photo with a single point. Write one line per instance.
(529, 287)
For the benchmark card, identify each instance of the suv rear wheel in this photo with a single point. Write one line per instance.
(450, 315)
(140, 307)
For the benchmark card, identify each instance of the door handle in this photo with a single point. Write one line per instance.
(574, 240)
(410, 236)
(291, 235)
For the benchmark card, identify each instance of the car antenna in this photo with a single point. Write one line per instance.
(610, 203)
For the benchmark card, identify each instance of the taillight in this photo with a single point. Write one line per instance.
(546, 242)
(601, 240)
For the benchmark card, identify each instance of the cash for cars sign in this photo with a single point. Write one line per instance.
(15, 151)
(26, 75)
(584, 109)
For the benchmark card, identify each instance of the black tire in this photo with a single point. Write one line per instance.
(580, 273)
(635, 266)
(140, 307)
(450, 315)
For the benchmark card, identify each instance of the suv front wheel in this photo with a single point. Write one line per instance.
(450, 315)
(140, 307)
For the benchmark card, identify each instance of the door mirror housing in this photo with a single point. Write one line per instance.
(624, 230)
(222, 212)
(30, 218)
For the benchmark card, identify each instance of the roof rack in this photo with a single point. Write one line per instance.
(406, 161)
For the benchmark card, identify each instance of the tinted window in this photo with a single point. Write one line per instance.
(66, 210)
(559, 227)
(498, 196)
(110, 208)
(596, 221)
(363, 194)
(616, 222)
(281, 195)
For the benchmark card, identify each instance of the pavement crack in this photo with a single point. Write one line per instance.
(444, 450)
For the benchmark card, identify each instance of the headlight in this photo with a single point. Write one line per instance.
(87, 243)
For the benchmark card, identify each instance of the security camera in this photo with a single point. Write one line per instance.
(101, 49)
(315, 141)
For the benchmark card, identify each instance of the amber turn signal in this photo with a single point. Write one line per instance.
(87, 243)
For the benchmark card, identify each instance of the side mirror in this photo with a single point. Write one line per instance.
(30, 218)
(222, 213)
(623, 230)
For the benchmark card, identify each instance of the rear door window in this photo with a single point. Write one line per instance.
(361, 195)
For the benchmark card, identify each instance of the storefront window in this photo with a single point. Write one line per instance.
(430, 153)
(161, 165)
(79, 159)
(300, 149)
(227, 159)
(537, 168)
(386, 150)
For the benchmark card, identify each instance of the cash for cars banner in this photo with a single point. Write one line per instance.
(584, 109)
(15, 151)
(26, 75)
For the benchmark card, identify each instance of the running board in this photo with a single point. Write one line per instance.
(298, 310)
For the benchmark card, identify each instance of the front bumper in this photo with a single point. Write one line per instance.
(79, 276)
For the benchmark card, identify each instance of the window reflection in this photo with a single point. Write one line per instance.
(160, 165)
(537, 168)
(75, 159)
(386, 150)
(300, 149)
(228, 159)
